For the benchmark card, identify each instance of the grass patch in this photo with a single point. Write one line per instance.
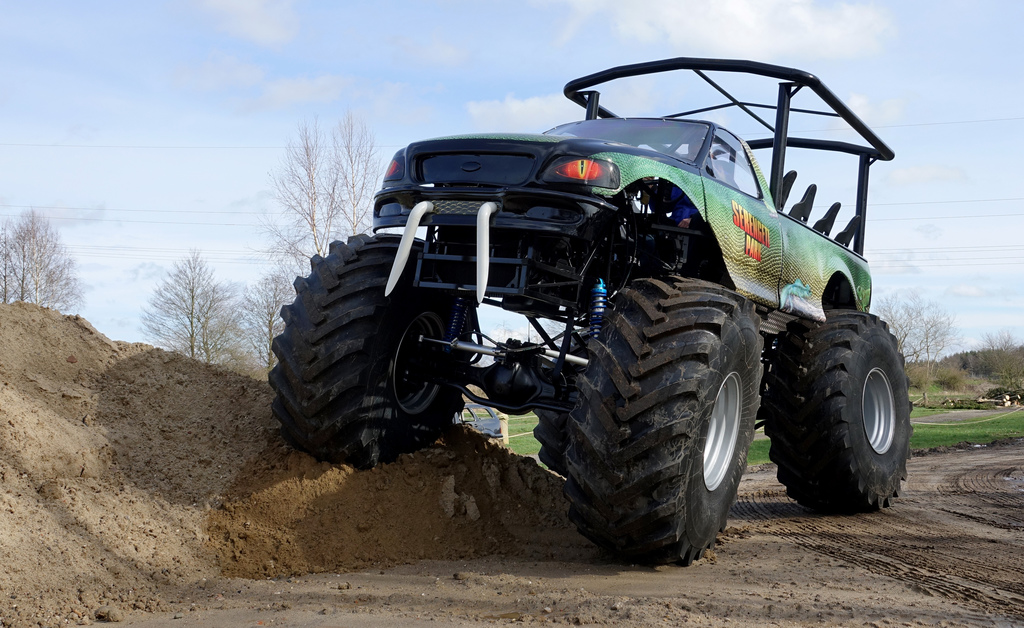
(944, 434)
(520, 431)
(917, 413)
(758, 452)
(979, 431)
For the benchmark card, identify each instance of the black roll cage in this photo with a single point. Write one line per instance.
(791, 81)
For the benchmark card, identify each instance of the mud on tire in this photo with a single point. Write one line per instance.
(550, 432)
(837, 411)
(642, 479)
(341, 392)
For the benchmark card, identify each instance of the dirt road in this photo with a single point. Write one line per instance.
(141, 486)
(950, 553)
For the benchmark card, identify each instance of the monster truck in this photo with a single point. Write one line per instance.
(689, 308)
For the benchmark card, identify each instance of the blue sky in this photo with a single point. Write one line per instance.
(144, 129)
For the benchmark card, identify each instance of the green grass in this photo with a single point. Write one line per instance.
(917, 413)
(946, 433)
(520, 431)
(980, 431)
(758, 452)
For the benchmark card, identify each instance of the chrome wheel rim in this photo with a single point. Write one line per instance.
(879, 411)
(414, 396)
(723, 432)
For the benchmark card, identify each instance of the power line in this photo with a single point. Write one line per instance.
(256, 147)
(1008, 247)
(257, 213)
(144, 222)
(158, 146)
(970, 200)
(956, 217)
(884, 266)
(941, 259)
(125, 247)
(761, 132)
(145, 211)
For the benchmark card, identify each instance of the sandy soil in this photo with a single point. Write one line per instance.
(139, 486)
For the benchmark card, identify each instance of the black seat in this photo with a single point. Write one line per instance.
(802, 210)
(846, 234)
(787, 186)
(824, 225)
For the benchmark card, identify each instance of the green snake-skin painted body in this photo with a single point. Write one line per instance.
(765, 252)
(794, 252)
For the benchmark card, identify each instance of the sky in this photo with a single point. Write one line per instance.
(145, 129)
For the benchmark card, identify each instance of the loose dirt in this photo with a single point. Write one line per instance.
(140, 486)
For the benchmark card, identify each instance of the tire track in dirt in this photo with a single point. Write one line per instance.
(996, 496)
(957, 533)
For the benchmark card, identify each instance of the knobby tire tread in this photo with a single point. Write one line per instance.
(642, 402)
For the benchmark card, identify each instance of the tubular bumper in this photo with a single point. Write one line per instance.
(483, 245)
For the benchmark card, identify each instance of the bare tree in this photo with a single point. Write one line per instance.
(36, 266)
(6, 265)
(1003, 354)
(324, 187)
(259, 315)
(359, 171)
(923, 330)
(306, 186)
(193, 313)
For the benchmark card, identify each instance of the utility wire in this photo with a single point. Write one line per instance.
(256, 213)
(116, 209)
(212, 147)
(145, 222)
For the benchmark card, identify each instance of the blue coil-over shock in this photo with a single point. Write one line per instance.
(457, 321)
(598, 304)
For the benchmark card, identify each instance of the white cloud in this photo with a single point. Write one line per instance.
(966, 290)
(758, 29)
(535, 114)
(146, 271)
(439, 51)
(932, 173)
(284, 93)
(219, 71)
(876, 113)
(929, 231)
(265, 22)
(69, 217)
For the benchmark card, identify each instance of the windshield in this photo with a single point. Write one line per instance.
(677, 138)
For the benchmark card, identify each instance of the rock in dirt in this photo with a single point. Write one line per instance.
(109, 613)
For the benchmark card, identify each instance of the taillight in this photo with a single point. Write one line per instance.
(596, 172)
(396, 169)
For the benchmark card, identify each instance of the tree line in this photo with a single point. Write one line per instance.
(927, 334)
(35, 266)
(324, 189)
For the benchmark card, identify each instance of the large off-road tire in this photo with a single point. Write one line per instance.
(343, 393)
(837, 412)
(550, 432)
(659, 438)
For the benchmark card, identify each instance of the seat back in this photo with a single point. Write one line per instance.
(846, 234)
(802, 210)
(787, 186)
(824, 226)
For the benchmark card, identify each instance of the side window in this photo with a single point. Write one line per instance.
(728, 163)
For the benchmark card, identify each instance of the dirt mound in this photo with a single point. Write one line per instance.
(463, 498)
(131, 477)
(109, 454)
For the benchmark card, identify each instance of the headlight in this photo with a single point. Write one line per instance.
(595, 172)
